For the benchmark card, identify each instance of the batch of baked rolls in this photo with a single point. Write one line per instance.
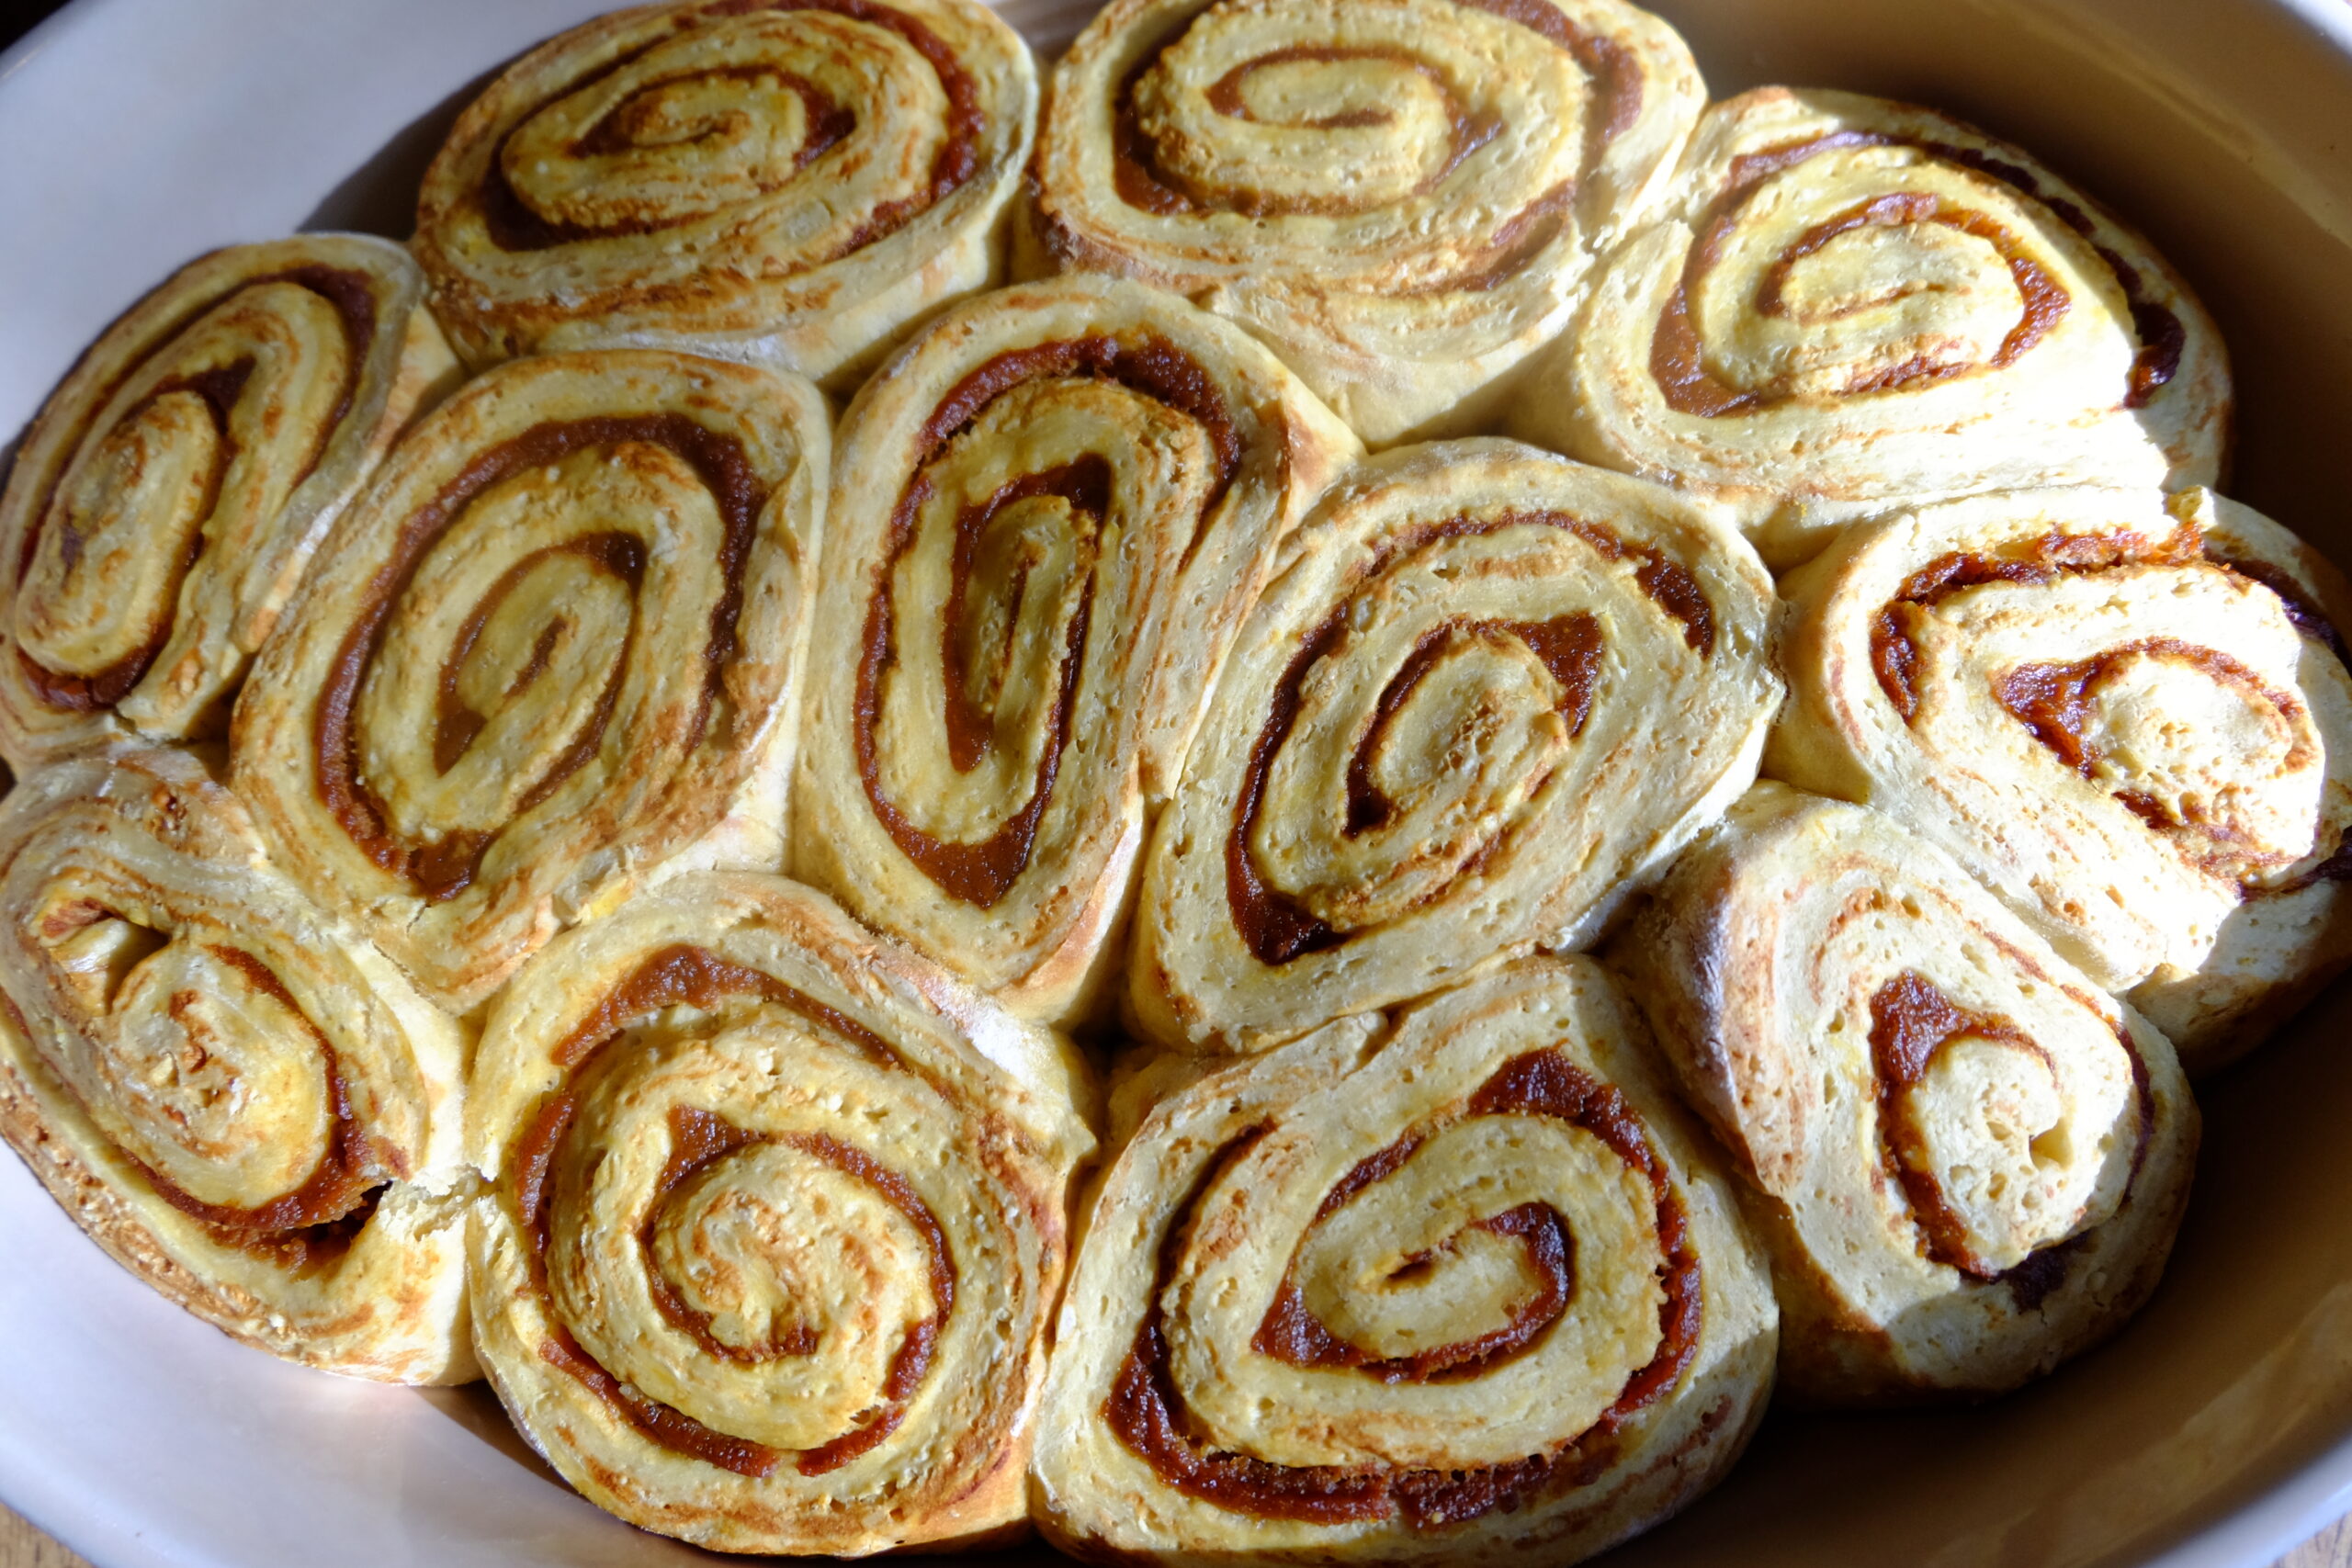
(1290, 797)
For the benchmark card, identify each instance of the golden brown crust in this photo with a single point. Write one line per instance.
(250, 1111)
(1053, 509)
(1490, 693)
(777, 1215)
(552, 654)
(1967, 1162)
(789, 183)
(169, 496)
(1851, 302)
(1486, 152)
(1321, 1309)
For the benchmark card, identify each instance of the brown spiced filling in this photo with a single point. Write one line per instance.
(354, 298)
(1276, 927)
(513, 225)
(981, 872)
(1146, 1414)
(693, 977)
(444, 868)
(1143, 183)
(1911, 1021)
(1677, 362)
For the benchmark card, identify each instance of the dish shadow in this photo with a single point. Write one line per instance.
(379, 195)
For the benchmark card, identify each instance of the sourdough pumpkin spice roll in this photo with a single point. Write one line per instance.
(168, 497)
(789, 183)
(1849, 302)
(1053, 509)
(2139, 745)
(1967, 1161)
(250, 1111)
(1402, 196)
(1491, 691)
(1439, 1288)
(777, 1220)
(551, 654)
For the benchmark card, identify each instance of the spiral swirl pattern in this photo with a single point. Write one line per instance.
(169, 495)
(784, 182)
(552, 652)
(1850, 302)
(254, 1116)
(1972, 1162)
(777, 1219)
(1490, 692)
(1402, 196)
(1053, 509)
(2125, 739)
(1414, 1291)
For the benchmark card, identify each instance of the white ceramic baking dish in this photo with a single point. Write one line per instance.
(2217, 1431)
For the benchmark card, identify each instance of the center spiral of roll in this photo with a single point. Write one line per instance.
(1417, 722)
(1056, 488)
(204, 438)
(552, 585)
(746, 105)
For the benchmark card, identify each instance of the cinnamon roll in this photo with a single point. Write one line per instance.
(552, 653)
(1439, 1290)
(1490, 692)
(1402, 196)
(168, 497)
(252, 1112)
(776, 1219)
(1052, 509)
(1967, 1162)
(2140, 747)
(1850, 302)
(789, 183)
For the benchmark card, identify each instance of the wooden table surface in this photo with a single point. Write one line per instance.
(21, 1546)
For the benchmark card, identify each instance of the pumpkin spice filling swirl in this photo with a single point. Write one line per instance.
(1492, 692)
(2127, 714)
(1064, 496)
(778, 1215)
(1452, 1282)
(1846, 300)
(256, 1116)
(1967, 1161)
(555, 650)
(1490, 149)
(173, 489)
(789, 183)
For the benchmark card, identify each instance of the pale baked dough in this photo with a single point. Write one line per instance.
(1104, 475)
(552, 654)
(1491, 691)
(2136, 748)
(1849, 302)
(1402, 196)
(164, 503)
(1967, 1161)
(1459, 1281)
(747, 1159)
(243, 1104)
(787, 184)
